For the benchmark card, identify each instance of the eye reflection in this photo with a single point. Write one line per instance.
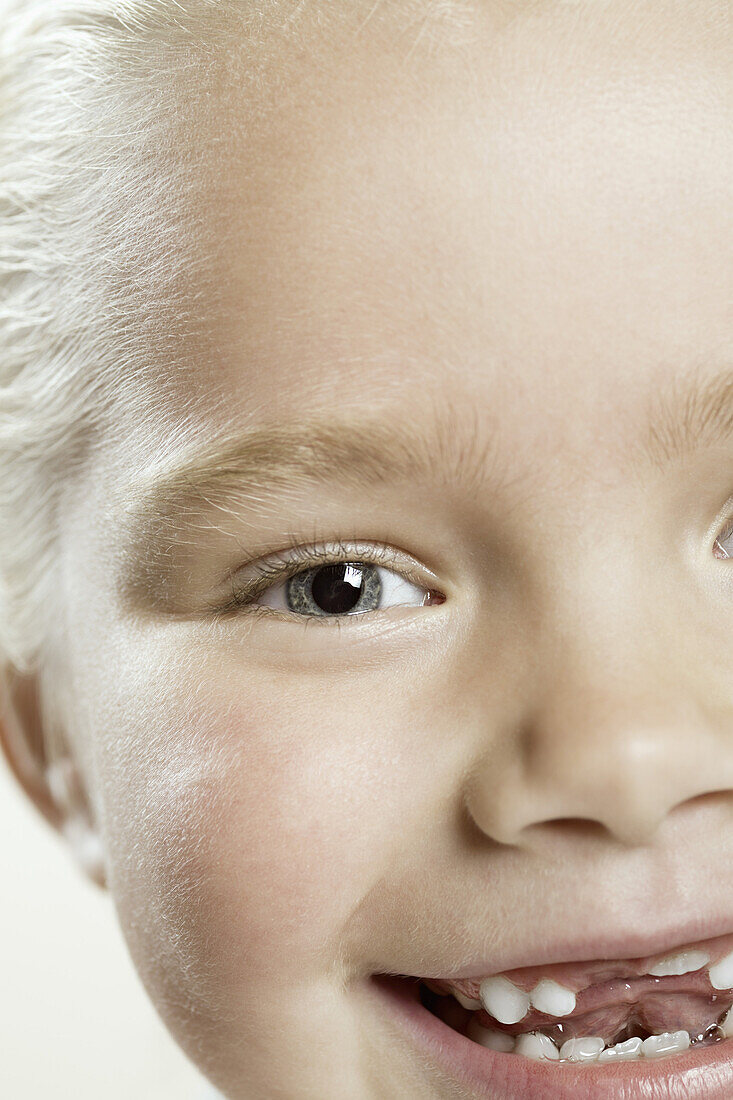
(335, 589)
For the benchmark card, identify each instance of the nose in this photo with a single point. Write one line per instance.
(622, 751)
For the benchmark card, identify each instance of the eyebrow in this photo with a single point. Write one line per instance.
(296, 455)
(239, 470)
(450, 448)
(694, 413)
(366, 450)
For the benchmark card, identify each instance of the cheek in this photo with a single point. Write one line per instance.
(242, 834)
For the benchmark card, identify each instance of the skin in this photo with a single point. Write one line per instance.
(535, 227)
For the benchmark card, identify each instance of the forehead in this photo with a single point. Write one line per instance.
(537, 217)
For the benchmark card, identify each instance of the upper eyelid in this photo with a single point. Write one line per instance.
(372, 553)
(380, 555)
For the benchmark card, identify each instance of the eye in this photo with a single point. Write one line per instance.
(342, 588)
(330, 588)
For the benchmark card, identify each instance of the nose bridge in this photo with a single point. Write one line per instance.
(613, 737)
(625, 719)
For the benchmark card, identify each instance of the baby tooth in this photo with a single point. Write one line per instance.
(503, 1000)
(586, 1049)
(630, 1049)
(684, 963)
(721, 975)
(552, 998)
(538, 1047)
(622, 1052)
(467, 1002)
(492, 1040)
(656, 1046)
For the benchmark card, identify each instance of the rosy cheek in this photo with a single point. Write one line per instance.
(240, 841)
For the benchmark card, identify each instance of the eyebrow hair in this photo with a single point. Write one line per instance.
(453, 447)
(363, 450)
(240, 468)
(317, 449)
(692, 414)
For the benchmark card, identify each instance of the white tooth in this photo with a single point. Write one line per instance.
(656, 1046)
(721, 975)
(726, 1024)
(552, 998)
(467, 1002)
(684, 963)
(487, 1037)
(503, 1000)
(586, 1049)
(622, 1052)
(538, 1047)
(630, 1049)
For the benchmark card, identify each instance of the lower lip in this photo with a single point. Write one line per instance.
(702, 1074)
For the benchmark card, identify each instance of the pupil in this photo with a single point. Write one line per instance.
(337, 588)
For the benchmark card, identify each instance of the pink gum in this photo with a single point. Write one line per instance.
(580, 976)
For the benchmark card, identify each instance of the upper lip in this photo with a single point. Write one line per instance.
(598, 945)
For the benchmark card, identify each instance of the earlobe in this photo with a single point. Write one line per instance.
(53, 786)
(64, 783)
(87, 849)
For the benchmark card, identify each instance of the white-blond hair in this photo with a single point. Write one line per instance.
(92, 245)
(98, 238)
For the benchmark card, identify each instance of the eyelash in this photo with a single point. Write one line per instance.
(300, 559)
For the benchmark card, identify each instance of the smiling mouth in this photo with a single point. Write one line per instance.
(604, 1012)
(584, 1039)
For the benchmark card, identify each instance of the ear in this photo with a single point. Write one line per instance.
(55, 787)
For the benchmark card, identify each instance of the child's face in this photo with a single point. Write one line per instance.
(522, 253)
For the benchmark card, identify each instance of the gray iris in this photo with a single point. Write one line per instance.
(331, 590)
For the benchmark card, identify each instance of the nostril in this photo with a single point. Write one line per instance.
(577, 828)
(626, 832)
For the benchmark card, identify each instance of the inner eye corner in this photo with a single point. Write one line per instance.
(718, 551)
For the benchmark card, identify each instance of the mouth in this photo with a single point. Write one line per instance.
(658, 1027)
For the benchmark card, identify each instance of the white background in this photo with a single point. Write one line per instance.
(75, 1022)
